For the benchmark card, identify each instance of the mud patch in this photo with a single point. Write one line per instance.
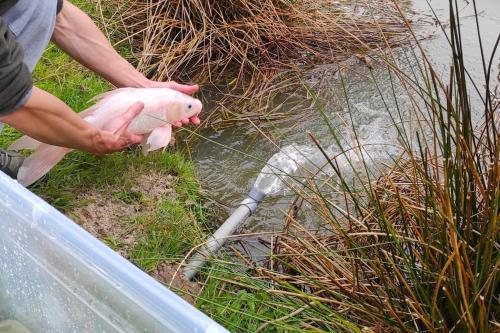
(107, 214)
(168, 275)
(155, 185)
(106, 217)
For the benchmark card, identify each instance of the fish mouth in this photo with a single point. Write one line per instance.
(196, 105)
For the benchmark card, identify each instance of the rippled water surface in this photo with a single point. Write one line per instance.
(228, 175)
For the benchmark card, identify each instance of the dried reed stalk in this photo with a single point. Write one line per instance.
(247, 51)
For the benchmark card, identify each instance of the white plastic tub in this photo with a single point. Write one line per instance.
(57, 278)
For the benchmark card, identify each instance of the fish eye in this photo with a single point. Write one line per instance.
(190, 106)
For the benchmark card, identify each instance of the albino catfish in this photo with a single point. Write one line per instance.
(162, 108)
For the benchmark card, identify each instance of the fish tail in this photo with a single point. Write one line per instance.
(25, 142)
(40, 163)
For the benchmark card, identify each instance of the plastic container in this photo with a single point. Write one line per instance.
(12, 326)
(57, 278)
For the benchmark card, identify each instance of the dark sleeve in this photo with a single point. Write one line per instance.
(15, 77)
(59, 5)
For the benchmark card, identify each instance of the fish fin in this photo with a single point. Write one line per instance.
(100, 100)
(160, 137)
(145, 144)
(40, 163)
(25, 142)
(110, 93)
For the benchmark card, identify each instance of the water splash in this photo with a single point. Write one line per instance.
(286, 163)
(373, 145)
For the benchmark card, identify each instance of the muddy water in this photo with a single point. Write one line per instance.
(228, 175)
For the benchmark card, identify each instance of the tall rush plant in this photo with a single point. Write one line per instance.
(416, 250)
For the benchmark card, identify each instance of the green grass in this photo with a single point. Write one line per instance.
(171, 230)
(170, 225)
(236, 298)
(247, 305)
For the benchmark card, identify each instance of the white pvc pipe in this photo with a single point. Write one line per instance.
(217, 240)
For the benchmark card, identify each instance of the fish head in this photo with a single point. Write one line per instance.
(183, 107)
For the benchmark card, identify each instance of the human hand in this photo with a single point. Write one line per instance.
(183, 88)
(115, 135)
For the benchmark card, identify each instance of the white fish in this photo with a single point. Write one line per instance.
(162, 108)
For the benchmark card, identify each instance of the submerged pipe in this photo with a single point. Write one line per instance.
(215, 242)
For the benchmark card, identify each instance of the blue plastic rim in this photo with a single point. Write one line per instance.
(56, 277)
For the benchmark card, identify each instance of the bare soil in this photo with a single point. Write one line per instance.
(169, 275)
(105, 216)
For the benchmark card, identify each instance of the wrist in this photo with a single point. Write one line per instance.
(97, 142)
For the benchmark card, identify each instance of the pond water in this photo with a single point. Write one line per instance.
(228, 174)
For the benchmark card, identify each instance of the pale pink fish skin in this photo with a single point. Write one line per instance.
(162, 108)
(158, 138)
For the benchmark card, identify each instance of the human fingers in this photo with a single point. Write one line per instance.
(186, 89)
(195, 120)
(123, 122)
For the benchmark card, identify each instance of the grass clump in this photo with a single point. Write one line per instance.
(247, 51)
(234, 297)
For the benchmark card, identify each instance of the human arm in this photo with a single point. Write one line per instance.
(46, 118)
(43, 116)
(77, 35)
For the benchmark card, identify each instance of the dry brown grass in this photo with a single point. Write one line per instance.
(416, 248)
(403, 265)
(247, 51)
(496, 100)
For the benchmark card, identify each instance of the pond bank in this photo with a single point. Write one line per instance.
(148, 209)
(305, 283)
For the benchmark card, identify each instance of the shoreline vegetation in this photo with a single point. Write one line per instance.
(246, 52)
(414, 249)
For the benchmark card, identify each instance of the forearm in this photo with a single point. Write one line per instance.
(78, 36)
(46, 118)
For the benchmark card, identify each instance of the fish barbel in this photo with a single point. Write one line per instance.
(162, 108)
